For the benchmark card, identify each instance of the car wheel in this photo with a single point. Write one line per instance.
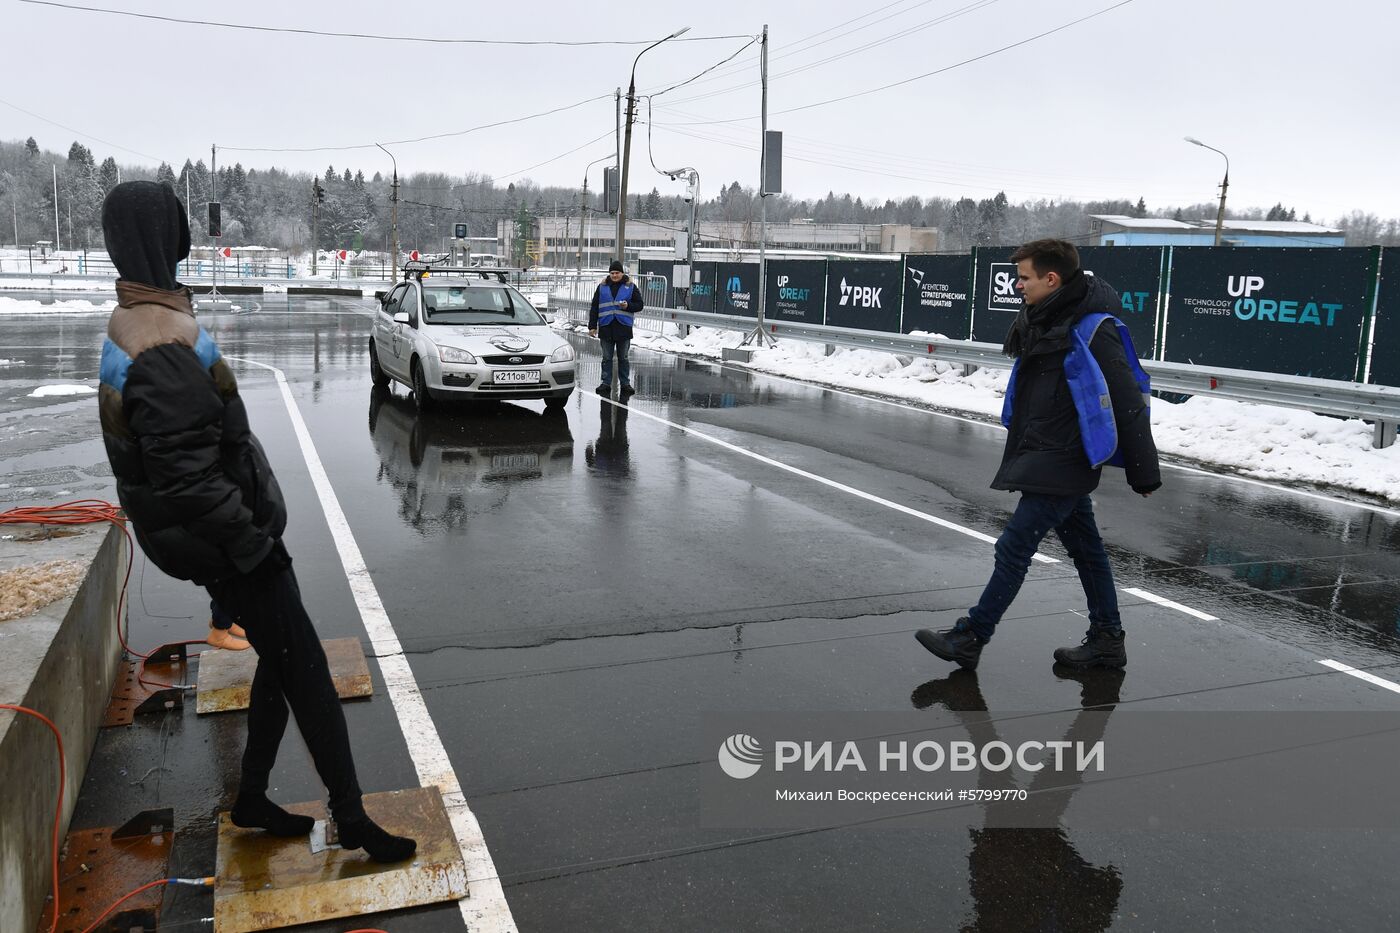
(556, 402)
(377, 376)
(421, 398)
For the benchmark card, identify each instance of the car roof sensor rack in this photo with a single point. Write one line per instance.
(417, 268)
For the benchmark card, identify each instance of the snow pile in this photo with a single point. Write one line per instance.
(1280, 444)
(51, 391)
(62, 306)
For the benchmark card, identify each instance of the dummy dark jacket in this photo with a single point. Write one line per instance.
(191, 476)
(1044, 451)
(616, 330)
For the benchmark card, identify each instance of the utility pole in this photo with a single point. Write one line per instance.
(57, 241)
(316, 223)
(394, 217)
(617, 143)
(1224, 185)
(759, 336)
(627, 146)
(213, 198)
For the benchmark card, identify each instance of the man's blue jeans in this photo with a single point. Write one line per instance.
(1072, 519)
(624, 367)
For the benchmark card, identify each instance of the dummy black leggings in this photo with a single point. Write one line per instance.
(292, 669)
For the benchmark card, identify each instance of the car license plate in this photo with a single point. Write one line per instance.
(502, 462)
(516, 376)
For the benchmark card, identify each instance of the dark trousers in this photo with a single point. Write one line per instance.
(1072, 519)
(624, 366)
(292, 670)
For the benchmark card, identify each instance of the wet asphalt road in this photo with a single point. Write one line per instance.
(576, 589)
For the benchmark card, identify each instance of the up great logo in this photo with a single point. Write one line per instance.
(1277, 311)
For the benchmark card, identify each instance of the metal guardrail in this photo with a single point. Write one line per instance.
(1378, 404)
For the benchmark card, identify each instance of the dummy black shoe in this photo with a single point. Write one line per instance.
(958, 644)
(382, 846)
(1100, 648)
(255, 811)
(626, 391)
(1098, 689)
(957, 692)
(604, 389)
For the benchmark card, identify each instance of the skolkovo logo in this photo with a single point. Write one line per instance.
(741, 756)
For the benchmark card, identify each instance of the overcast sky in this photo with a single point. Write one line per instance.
(1301, 96)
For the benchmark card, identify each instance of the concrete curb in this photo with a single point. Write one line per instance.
(59, 661)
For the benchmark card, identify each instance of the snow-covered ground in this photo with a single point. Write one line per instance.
(1278, 444)
(63, 306)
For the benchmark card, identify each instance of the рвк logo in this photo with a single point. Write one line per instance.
(860, 296)
(740, 756)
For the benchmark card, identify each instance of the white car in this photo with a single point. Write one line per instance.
(468, 335)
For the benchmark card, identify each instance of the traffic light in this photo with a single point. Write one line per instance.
(216, 227)
(317, 190)
(459, 231)
(611, 188)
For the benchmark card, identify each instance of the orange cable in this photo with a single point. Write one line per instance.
(58, 811)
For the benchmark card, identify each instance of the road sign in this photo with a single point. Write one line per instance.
(413, 254)
(226, 252)
(343, 254)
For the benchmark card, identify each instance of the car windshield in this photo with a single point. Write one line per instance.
(477, 304)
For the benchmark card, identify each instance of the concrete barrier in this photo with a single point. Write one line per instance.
(324, 290)
(228, 289)
(60, 661)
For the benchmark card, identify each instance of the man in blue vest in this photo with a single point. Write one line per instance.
(616, 302)
(1046, 442)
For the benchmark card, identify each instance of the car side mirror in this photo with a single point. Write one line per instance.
(401, 317)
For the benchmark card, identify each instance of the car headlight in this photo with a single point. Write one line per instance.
(454, 355)
(563, 355)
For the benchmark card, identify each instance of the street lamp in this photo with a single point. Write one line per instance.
(1220, 215)
(692, 178)
(627, 145)
(394, 218)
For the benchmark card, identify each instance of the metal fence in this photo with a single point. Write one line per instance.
(1377, 404)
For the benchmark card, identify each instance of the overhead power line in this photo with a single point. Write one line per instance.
(81, 133)
(927, 74)
(435, 40)
(419, 139)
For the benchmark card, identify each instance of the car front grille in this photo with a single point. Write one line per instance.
(514, 359)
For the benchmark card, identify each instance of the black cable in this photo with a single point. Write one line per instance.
(358, 35)
(929, 74)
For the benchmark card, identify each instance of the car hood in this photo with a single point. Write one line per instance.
(491, 340)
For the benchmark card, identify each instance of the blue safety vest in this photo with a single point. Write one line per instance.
(610, 310)
(1092, 402)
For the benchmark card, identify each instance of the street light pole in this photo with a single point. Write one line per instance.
(394, 218)
(1224, 185)
(621, 247)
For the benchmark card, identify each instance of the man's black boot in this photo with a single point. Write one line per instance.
(958, 644)
(1100, 648)
(604, 389)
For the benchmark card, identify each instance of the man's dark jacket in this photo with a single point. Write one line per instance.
(615, 330)
(1044, 451)
(190, 474)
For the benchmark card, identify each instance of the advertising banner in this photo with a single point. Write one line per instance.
(1295, 311)
(736, 288)
(1385, 347)
(864, 294)
(702, 288)
(1135, 273)
(937, 293)
(995, 300)
(796, 291)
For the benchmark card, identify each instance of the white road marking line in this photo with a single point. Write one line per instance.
(851, 490)
(485, 908)
(1361, 675)
(1163, 601)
